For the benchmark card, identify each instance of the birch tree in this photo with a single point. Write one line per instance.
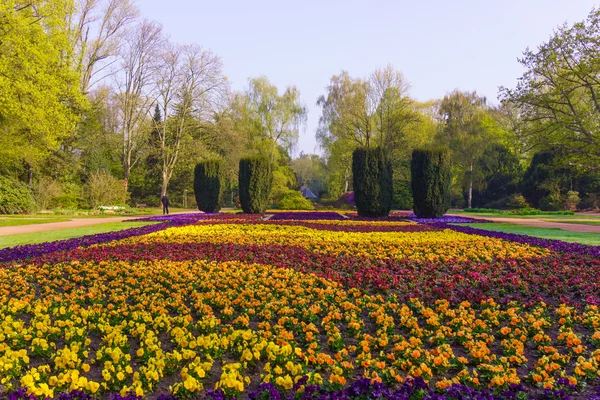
(190, 85)
(96, 29)
(135, 82)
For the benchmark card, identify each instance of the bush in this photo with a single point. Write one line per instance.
(533, 211)
(15, 197)
(517, 201)
(545, 183)
(483, 210)
(46, 190)
(590, 201)
(500, 174)
(372, 182)
(103, 189)
(293, 200)
(572, 200)
(431, 178)
(208, 185)
(71, 197)
(512, 202)
(255, 180)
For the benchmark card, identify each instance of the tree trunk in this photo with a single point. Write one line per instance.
(126, 175)
(29, 175)
(165, 184)
(470, 198)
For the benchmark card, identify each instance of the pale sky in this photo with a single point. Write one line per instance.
(438, 45)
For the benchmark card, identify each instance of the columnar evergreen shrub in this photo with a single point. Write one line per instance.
(431, 178)
(255, 181)
(372, 182)
(15, 197)
(208, 178)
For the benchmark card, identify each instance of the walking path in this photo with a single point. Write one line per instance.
(80, 222)
(540, 224)
(51, 226)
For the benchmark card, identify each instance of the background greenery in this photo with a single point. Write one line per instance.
(88, 123)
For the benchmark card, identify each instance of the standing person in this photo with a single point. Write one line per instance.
(165, 202)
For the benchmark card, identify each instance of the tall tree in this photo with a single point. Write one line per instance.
(275, 119)
(376, 111)
(190, 86)
(139, 56)
(467, 130)
(558, 95)
(39, 97)
(96, 29)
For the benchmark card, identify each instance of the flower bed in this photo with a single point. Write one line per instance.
(234, 306)
(308, 215)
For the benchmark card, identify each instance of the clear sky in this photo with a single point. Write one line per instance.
(439, 45)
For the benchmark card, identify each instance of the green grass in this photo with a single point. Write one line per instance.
(541, 217)
(29, 221)
(61, 234)
(546, 233)
(577, 221)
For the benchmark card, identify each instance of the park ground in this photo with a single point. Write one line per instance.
(20, 230)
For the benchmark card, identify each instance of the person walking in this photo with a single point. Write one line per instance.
(165, 202)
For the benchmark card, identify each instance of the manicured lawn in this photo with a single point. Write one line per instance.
(29, 221)
(575, 221)
(546, 233)
(50, 236)
(558, 218)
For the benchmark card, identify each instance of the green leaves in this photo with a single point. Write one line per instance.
(559, 94)
(373, 189)
(255, 181)
(431, 175)
(208, 179)
(39, 96)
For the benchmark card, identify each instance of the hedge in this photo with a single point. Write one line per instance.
(430, 182)
(15, 197)
(255, 181)
(372, 181)
(208, 185)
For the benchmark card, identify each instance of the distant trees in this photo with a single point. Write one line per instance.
(499, 176)
(467, 129)
(371, 112)
(108, 94)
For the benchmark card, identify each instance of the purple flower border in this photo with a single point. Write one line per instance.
(308, 215)
(555, 245)
(33, 250)
(361, 388)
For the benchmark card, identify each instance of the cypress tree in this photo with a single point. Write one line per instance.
(431, 179)
(208, 185)
(255, 180)
(372, 181)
